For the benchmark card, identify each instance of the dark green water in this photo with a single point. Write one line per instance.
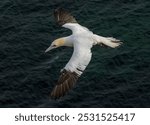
(114, 78)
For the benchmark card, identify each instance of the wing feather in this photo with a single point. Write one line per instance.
(62, 16)
(66, 82)
(74, 68)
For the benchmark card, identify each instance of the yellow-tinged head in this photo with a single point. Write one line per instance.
(55, 44)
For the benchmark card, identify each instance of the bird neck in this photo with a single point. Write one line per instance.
(68, 41)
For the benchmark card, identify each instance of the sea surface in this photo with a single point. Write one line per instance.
(117, 77)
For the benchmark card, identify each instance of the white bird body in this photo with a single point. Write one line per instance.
(82, 40)
(82, 43)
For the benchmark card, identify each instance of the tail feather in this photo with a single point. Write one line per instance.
(108, 41)
(113, 42)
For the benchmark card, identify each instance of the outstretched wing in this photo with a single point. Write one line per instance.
(62, 16)
(66, 82)
(73, 69)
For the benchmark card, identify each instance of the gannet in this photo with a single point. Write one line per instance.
(82, 40)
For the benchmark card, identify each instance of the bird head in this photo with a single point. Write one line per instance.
(55, 44)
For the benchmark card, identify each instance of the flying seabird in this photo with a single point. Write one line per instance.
(82, 40)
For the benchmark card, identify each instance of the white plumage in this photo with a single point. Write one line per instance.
(82, 40)
(82, 43)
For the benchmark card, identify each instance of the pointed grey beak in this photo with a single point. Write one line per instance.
(48, 49)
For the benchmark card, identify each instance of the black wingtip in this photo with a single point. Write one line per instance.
(63, 16)
(57, 10)
(66, 82)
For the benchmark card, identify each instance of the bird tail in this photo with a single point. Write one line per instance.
(107, 41)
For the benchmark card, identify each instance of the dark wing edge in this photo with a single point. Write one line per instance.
(66, 82)
(62, 16)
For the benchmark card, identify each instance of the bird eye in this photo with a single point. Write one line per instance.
(54, 45)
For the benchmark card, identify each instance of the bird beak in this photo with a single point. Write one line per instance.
(48, 49)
